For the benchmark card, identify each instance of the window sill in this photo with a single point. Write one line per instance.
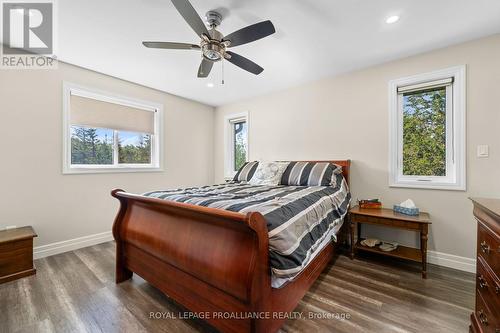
(430, 186)
(76, 171)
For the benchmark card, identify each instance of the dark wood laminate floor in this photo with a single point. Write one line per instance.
(75, 292)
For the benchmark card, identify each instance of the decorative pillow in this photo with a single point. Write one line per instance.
(246, 172)
(310, 173)
(269, 173)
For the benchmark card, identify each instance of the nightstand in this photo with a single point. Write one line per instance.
(16, 253)
(388, 218)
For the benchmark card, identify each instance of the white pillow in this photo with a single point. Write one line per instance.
(268, 173)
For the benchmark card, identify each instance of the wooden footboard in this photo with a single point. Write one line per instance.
(206, 259)
(213, 262)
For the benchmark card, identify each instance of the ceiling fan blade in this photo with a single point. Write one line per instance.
(205, 68)
(171, 45)
(244, 63)
(192, 18)
(251, 33)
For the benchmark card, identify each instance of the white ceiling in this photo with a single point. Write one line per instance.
(314, 39)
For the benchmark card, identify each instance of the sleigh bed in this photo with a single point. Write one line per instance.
(214, 262)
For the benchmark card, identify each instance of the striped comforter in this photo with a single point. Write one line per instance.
(299, 218)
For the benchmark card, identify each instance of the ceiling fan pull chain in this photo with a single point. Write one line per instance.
(222, 70)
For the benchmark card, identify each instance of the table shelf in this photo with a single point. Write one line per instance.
(402, 252)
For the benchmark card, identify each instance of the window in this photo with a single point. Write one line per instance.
(107, 133)
(239, 129)
(427, 133)
(236, 152)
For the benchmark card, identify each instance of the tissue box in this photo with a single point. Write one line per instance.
(406, 211)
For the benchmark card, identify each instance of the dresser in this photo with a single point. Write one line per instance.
(486, 316)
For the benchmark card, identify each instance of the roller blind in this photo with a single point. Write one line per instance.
(238, 120)
(95, 113)
(425, 85)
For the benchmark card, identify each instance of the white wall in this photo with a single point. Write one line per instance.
(347, 117)
(33, 190)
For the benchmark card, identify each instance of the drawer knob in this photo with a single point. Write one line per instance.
(482, 318)
(485, 247)
(482, 282)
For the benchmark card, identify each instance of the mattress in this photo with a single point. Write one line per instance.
(301, 220)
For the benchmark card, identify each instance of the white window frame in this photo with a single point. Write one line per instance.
(156, 164)
(229, 120)
(455, 138)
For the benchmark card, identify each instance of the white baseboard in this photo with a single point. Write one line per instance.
(71, 244)
(452, 261)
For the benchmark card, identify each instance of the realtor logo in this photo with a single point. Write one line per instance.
(27, 34)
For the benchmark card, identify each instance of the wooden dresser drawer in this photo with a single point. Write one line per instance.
(488, 246)
(488, 285)
(487, 321)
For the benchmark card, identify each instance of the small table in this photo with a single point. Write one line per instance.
(16, 253)
(389, 218)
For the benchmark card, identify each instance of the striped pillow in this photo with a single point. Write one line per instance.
(310, 173)
(246, 172)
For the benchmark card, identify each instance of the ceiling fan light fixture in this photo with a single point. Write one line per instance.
(212, 55)
(213, 50)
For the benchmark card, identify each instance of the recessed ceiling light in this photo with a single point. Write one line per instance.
(392, 19)
(210, 85)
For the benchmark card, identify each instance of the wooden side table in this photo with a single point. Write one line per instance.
(388, 218)
(16, 253)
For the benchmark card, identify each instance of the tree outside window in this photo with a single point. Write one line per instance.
(95, 146)
(424, 133)
(240, 144)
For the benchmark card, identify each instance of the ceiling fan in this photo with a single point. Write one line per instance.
(214, 44)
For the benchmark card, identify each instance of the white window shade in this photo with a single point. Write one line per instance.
(425, 85)
(95, 113)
